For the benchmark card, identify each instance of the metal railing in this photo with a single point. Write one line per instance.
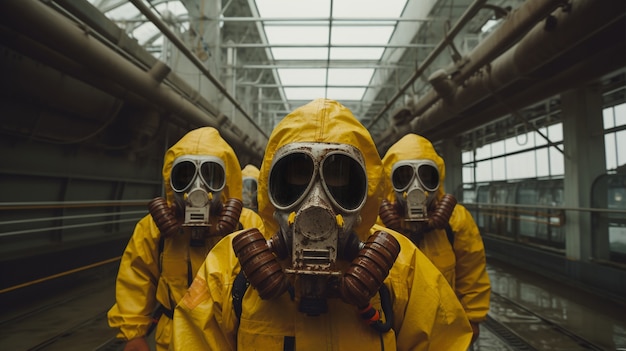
(49, 221)
(544, 226)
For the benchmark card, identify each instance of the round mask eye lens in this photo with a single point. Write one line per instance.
(428, 176)
(213, 175)
(345, 179)
(402, 177)
(182, 175)
(289, 178)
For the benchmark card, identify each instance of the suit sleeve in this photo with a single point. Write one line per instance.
(136, 284)
(472, 281)
(428, 315)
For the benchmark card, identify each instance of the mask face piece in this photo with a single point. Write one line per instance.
(318, 190)
(197, 182)
(415, 183)
(249, 193)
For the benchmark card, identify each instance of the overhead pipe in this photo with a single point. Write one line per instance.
(115, 36)
(502, 103)
(34, 19)
(469, 13)
(541, 46)
(514, 26)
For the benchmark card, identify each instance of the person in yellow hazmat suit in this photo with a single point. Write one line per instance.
(250, 178)
(202, 180)
(322, 276)
(445, 231)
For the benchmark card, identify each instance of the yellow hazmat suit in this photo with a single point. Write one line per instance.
(427, 314)
(250, 175)
(149, 275)
(464, 266)
(250, 171)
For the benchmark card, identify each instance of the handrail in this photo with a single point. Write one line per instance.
(69, 204)
(71, 226)
(111, 217)
(486, 205)
(92, 215)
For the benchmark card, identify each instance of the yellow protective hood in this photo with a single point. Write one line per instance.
(324, 121)
(205, 141)
(250, 171)
(412, 147)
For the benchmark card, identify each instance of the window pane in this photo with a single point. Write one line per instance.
(521, 166)
(296, 35)
(304, 93)
(290, 76)
(467, 157)
(468, 174)
(124, 12)
(368, 8)
(300, 53)
(518, 143)
(483, 152)
(356, 53)
(620, 115)
(349, 76)
(499, 168)
(607, 116)
(609, 148)
(540, 140)
(483, 171)
(557, 166)
(497, 148)
(290, 8)
(354, 35)
(543, 168)
(620, 138)
(555, 132)
(343, 94)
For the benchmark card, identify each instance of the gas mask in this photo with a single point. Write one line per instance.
(416, 183)
(249, 193)
(318, 190)
(197, 182)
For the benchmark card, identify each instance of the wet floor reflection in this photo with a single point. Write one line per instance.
(597, 320)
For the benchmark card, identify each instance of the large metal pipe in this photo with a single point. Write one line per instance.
(540, 47)
(499, 104)
(515, 26)
(465, 17)
(34, 19)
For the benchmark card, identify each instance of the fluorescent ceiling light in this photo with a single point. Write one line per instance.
(314, 82)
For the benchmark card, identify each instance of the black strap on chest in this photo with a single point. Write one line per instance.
(450, 235)
(160, 253)
(240, 285)
(156, 315)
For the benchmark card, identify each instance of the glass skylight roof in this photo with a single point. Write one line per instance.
(337, 48)
(357, 32)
